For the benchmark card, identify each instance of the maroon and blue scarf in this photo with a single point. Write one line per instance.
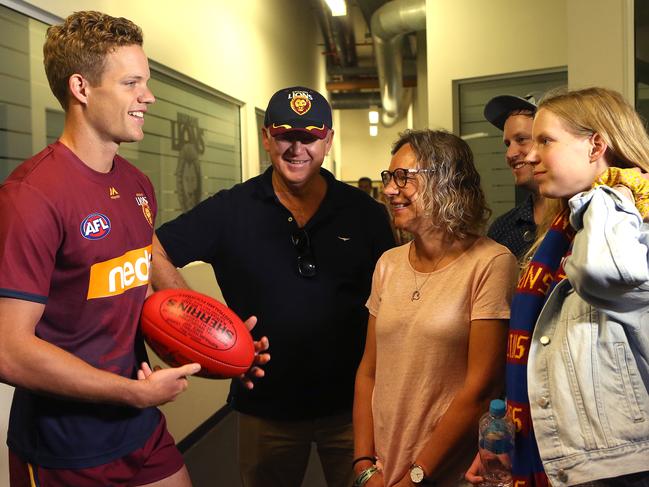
(535, 284)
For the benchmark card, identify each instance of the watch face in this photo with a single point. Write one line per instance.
(416, 474)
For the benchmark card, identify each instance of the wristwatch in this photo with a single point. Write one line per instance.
(417, 473)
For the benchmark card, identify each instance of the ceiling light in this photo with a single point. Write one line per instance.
(337, 7)
(374, 130)
(373, 116)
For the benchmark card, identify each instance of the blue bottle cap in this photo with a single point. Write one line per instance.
(497, 408)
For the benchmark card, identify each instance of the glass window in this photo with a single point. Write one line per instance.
(264, 157)
(192, 143)
(15, 99)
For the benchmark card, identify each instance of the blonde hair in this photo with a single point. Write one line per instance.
(79, 46)
(605, 112)
(597, 111)
(451, 196)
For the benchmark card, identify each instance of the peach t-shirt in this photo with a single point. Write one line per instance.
(422, 346)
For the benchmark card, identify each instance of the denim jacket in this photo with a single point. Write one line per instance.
(588, 369)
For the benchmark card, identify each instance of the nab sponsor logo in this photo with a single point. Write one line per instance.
(95, 226)
(118, 275)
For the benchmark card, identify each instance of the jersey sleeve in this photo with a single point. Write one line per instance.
(30, 236)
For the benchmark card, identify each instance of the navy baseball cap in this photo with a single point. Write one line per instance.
(497, 110)
(298, 108)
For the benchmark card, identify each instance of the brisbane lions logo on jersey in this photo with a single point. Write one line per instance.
(143, 203)
(95, 226)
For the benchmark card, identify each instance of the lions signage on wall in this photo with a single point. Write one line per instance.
(187, 139)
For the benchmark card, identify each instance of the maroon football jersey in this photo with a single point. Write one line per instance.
(78, 241)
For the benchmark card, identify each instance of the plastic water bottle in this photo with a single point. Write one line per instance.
(496, 445)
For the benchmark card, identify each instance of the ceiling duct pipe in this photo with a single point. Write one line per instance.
(390, 24)
(338, 35)
(327, 35)
(344, 40)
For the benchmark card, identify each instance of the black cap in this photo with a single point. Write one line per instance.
(497, 109)
(298, 108)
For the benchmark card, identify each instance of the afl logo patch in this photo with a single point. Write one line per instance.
(95, 226)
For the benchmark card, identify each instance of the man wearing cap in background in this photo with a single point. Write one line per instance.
(514, 115)
(296, 248)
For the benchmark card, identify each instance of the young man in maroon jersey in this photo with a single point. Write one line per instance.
(76, 225)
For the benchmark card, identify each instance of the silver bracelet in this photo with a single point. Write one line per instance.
(364, 476)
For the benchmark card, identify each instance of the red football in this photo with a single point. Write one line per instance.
(183, 326)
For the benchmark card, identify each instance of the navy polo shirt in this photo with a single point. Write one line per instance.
(316, 325)
(515, 229)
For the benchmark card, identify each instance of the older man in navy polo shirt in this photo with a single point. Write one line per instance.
(296, 248)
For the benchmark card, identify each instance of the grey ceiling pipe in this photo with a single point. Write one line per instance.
(389, 24)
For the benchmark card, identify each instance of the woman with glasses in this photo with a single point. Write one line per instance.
(434, 354)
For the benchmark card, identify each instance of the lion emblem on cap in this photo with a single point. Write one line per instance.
(300, 104)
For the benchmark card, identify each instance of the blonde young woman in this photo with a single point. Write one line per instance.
(581, 309)
(436, 337)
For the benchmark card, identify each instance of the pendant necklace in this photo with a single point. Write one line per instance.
(416, 295)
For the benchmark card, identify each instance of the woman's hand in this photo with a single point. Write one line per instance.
(474, 474)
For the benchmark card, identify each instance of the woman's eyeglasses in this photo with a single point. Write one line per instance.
(400, 176)
(305, 261)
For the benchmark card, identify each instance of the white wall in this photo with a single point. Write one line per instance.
(362, 155)
(471, 38)
(420, 102)
(6, 393)
(600, 45)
